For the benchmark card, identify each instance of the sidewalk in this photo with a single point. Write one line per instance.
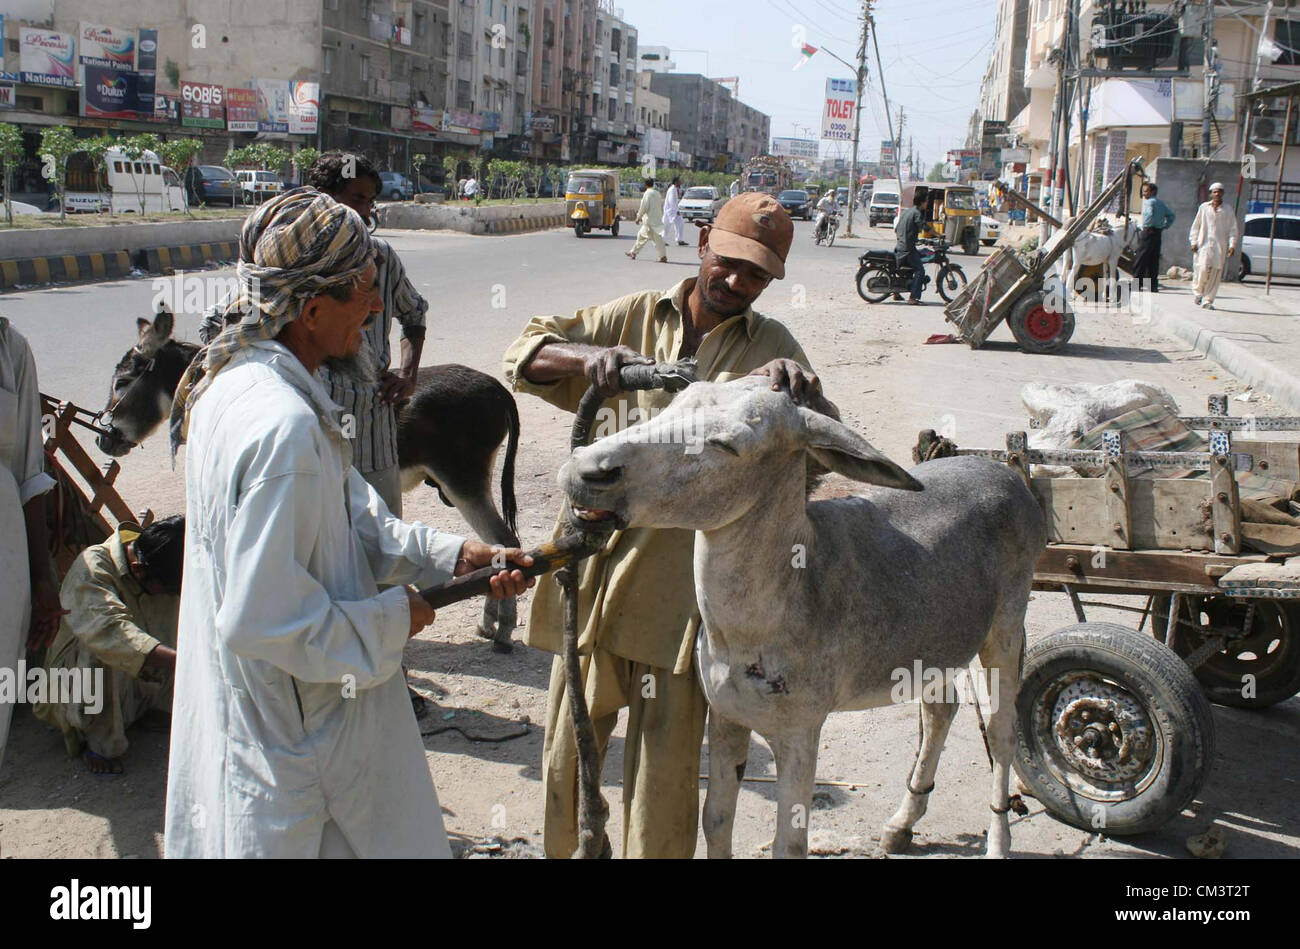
(1253, 336)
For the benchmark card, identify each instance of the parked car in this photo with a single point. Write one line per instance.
(395, 186)
(701, 203)
(209, 184)
(796, 203)
(1254, 246)
(258, 186)
(990, 230)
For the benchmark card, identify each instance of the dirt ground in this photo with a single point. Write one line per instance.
(483, 734)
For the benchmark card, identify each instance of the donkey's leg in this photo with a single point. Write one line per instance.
(796, 769)
(936, 719)
(1001, 655)
(728, 752)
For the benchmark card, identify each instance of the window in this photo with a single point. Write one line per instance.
(327, 60)
(420, 24)
(366, 9)
(613, 74)
(363, 67)
(117, 167)
(462, 94)
(331, 4)
(1287, 35)
(613, 109)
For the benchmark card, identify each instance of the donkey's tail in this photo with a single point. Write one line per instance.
(508, 507)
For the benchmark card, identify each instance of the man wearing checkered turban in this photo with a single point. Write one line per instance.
(292, 735)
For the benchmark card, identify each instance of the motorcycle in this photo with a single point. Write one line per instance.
(826, 230)
(879, 273)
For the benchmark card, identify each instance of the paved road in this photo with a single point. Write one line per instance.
(482, 290)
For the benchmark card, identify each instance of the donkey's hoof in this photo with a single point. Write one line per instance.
(504, 646)
(895, 839)
(486, 633)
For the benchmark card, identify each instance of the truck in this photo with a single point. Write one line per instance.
(132, 182)
(767, 173)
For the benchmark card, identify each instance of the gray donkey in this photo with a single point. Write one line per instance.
(448, 436)
(810, 608)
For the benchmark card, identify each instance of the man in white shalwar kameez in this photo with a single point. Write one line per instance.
(650, 215)
(29, 588)
(673, 212)
(292, 734)
(1214, 239)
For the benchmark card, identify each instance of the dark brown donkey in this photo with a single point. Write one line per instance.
(448, 436)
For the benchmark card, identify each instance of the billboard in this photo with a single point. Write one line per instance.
(837, 111)
(425, 119)
(46, 57)
(241, 110)
(202, 105)
(272, 104)
(304, 108)
(166, 108)
(106, 46)
(795, 147)
(110, 93)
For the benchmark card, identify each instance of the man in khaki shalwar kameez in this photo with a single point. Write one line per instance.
(636, 600)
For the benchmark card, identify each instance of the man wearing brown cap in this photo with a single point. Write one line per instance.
(637, 615)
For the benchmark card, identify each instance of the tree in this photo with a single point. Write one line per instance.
(936, 173)
(450, 182)
(303, 159)
(417, 169)
(178, 154)
(134, 149)
(96, 149)
(11, 153)
(57, 145)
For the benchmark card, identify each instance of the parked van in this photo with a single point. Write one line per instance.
(885, 196)
(130, 182)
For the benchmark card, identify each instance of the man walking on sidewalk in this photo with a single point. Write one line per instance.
(1214, 239)
(673, 212)
(650, 215)
(1156, 216)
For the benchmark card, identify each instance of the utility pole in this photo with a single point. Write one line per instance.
(1208, 80)
(898, 145)
(857, 115)
(888, 118)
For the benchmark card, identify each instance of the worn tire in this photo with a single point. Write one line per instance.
(1271, 655)
(1038, 329)
(970, 244)
(1243, 270)
(1081, 683)
(864, 280)
(950, 274)
(578, 229)
(830, 237)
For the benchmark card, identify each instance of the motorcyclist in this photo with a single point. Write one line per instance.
(907, 230)
(825, 207)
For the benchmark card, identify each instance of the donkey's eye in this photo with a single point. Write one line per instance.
(717, 441)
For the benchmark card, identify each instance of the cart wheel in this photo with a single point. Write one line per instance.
(613, 230)
(1038, 329)
(1270, 654)
(951, 279)
(1112, 732)
(874, 284)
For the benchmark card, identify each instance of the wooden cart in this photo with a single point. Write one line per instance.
(1114, 730)
(81, 508)
(1016, 288)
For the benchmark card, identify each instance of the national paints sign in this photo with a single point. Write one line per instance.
(110, 93)
(106, 46)
(46, 58)
(241, 110)
(304, 108)
(203, 105)
(837, 112)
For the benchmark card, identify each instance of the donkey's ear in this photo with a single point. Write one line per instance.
(845, 452)
(163, 323)
(143, 326)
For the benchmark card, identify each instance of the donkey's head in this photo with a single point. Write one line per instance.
(140, 395)
(711, 455)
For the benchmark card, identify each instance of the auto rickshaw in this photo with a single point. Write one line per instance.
(950, 211)
(591, 201)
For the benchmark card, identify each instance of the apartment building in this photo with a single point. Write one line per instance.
(613, 119)
(1002, 91)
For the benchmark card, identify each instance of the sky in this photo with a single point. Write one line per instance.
(934, 54)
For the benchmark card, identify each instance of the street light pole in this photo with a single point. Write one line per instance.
(861, 74)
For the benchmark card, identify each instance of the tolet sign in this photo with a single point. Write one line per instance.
(837, 113)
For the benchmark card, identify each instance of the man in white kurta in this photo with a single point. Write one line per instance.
(673, 212)
(26, 573)
(650, 215)
(292, 734)
(1214, 239)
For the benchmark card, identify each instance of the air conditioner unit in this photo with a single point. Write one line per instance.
(1267, 130)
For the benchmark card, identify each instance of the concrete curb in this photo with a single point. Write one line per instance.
(66, 268)
(1235, 358)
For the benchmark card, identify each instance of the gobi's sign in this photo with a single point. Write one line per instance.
(203, 105)
(110, 93)
(837, 113)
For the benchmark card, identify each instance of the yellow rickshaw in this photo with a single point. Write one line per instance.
(951, 211)
(591, 201)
